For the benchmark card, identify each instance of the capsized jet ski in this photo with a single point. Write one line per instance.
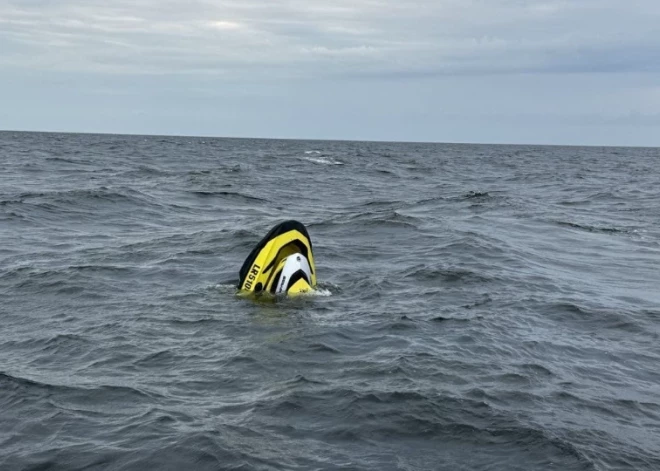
(281, 264)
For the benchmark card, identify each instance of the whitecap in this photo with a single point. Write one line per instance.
(322, 292)
(323, 160)
(224, 287)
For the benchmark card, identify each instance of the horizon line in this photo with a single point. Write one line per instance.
(381, 141)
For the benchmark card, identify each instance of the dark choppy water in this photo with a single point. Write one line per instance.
(485, 308)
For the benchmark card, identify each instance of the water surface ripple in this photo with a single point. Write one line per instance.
(486, 308)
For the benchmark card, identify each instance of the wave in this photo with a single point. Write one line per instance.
(386, 218)
(17, 384)
(84, 200)
(393, 416)
(482, 302)
(92, 193)
(92, 282)
(323, 348)
(449, 319)
(597, 318)
(323, 160)
(229, 194)
(590, 228)
(218, 174)
(448, 275)
(321, 292)
(476, 194)
(146, 171)
(163, 358)
(69, 161)
(370, 217)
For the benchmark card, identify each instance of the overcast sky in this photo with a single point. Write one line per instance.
(493, 71)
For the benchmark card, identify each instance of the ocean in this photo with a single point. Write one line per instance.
(480, 307)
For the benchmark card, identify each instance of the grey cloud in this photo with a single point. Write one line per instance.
(305, 38)
(538, 71)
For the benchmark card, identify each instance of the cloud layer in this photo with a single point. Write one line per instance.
(551, 71)
(312, 38)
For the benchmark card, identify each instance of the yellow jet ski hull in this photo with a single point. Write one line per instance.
(262, 269)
